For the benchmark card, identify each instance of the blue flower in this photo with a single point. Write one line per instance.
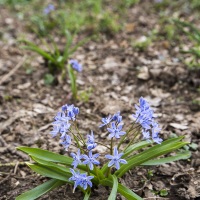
(106, 121)
(61, 124)
(115, 159)
(48, 9)
(81, 180)
(146, 134)
(66, 142)
(115, 131)
(117, 117)
(155, 132)
(144, 114)
(91, 142)
(91, 160)
(55, 131)
(77, 158)
(75, 65)
(71, 111)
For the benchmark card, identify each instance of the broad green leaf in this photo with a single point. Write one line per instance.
(113, 193)
(169, 159)
(41, 52)
(51, 172)
(142, 144)
(128, 151)
(51, 164)
(87, 195)
(40, 190)
(135, 147)
(47, 155)
(58, 168)
(153, 152)
(127, 193)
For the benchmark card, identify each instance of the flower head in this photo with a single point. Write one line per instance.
(117, 117)
(66, 142)
(144, 114)
(90, 160)
(155, 132)
(75, 65)
(77, 158)
(48, 9)
(61, 124)
(146, 134)
(91, 142)
(71, 111)
(81, 180)
(106, 121)
(115, 159)
(115, 131)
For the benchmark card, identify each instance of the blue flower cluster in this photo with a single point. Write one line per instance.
(48, 9)
(81, 180)
(117, 118)
(89, 159)
(61, 124)
(84, 156)
(75, 65)
(145, 117)
(116, 125)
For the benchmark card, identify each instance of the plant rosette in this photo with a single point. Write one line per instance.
(84, 171)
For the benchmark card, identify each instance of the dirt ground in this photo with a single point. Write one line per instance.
(118, 75)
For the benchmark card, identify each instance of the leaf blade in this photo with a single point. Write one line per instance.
(47, 155)
(40, 190)
(148, 154)
(161, 161)
(113, 193)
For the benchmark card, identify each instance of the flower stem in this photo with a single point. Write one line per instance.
(102, 144)
(137, 131)
(76, 127)
(127, 132)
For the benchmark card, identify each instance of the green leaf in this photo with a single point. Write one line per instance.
(40, 190)
(32, 47)
(140, 145)
(161, 161)
(127, 193)
(59, 168)
(87, 195)
(153, 152)
(51, 172)
(51, 164)
(113, 193)
(48, 79)
(81, 43)
(135, 147)
(47, 155)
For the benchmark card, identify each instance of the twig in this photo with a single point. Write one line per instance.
(12, 164)
(6, 178)
(13, 70)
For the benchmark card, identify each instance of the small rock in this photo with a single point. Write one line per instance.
(143, 73)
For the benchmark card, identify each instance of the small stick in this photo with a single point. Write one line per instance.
(13, 70)
(12, 164)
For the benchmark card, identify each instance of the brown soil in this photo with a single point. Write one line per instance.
(118, 75)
